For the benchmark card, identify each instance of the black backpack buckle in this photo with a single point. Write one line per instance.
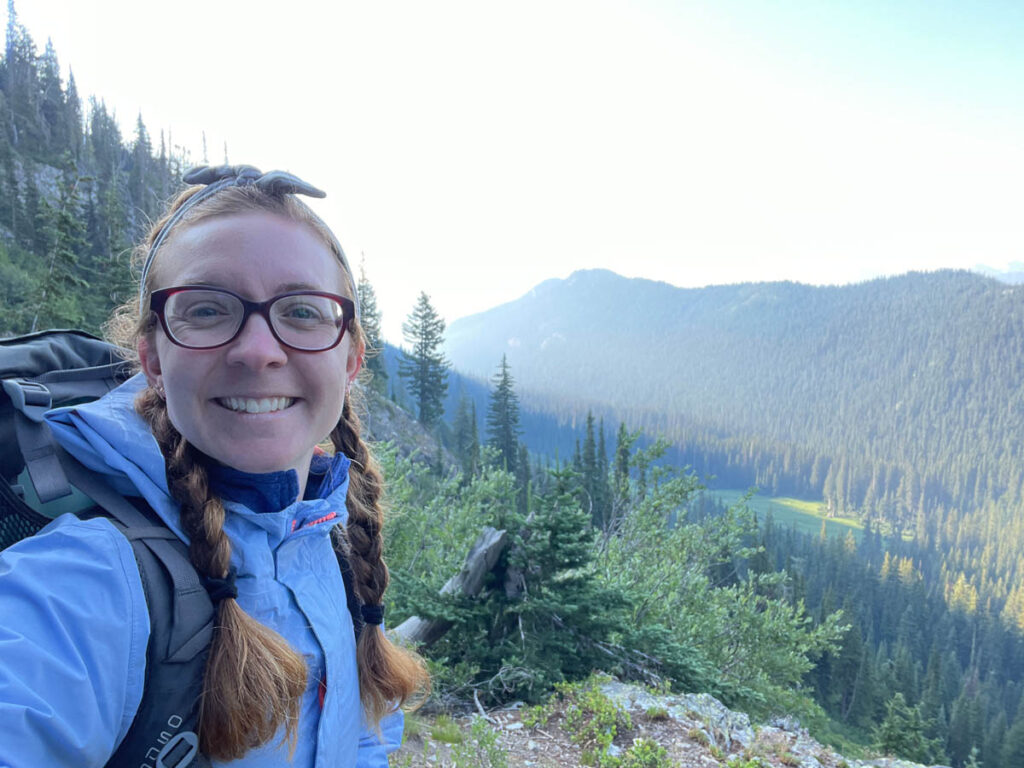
(29, 397)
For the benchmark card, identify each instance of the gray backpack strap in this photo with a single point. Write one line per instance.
(31, 400)
(181, 615)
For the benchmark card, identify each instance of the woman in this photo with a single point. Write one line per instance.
(247, 333)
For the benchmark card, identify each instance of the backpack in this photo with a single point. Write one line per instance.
(41, 481)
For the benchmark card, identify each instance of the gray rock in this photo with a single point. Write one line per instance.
(722, 726)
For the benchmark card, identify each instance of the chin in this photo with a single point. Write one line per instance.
(256, 461)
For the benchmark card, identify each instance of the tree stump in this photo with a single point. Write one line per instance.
(469, 581)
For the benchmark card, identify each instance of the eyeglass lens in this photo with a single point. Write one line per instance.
(198, 318)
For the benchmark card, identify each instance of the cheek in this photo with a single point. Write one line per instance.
(334, 381)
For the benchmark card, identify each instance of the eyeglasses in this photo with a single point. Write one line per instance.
(197, 317)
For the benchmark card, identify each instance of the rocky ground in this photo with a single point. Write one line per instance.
(695, 731)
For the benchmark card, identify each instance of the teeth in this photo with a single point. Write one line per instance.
(252, 405)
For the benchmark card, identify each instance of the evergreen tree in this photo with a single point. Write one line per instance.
(21, 88)
(503, 428)
(51, 102)
(589, 460)
(602, 489)
(620, 493)
(551, 627)
(1013, 743)
(523, 481)
(902, 732)
(73, 120)
(139, 186)
(423, 366)
(464, 433)
(57, 304)
(369, 320)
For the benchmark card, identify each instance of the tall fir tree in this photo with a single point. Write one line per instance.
(503, 428)
(466, 439)
(623, 447)
(57, 303)
(423, 366)
(369, 319)
(523, 490)
(139, 175)
(602, 488)
(588, 458)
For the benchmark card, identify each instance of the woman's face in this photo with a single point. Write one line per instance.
(210, 392)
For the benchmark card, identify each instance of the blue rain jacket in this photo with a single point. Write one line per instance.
(74, 623)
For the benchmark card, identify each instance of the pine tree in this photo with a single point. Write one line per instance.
(21, 87)
(139, 174)
(602, 489)
(902, 732)
(464, 432)
(369, 320)
(57, 304)
(523, 481)
(623, 446)
(423, 366)
(51, 104)
(73, 119)
(1013, 744)
(503, 428)
(588, 458)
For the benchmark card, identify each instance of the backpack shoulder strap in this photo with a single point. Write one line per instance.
(181, 615)
(164, 733)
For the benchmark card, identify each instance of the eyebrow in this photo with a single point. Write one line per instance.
(214, 283)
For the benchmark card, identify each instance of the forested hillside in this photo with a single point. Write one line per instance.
(896, 402)
(75, 195)
(887, 397)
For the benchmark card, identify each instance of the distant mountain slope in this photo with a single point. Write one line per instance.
(1013, 274)
(916, 378)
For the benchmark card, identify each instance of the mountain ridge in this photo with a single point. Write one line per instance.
(896, 376)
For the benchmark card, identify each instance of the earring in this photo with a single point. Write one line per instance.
(160, 391)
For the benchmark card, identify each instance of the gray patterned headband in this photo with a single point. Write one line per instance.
(276, 183)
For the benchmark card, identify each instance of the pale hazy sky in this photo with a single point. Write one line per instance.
(473, 149)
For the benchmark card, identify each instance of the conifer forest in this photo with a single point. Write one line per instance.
(906, 636)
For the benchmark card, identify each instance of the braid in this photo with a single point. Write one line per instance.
(254, 680)
(388, 674)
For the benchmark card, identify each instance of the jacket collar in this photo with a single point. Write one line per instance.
(111, 439)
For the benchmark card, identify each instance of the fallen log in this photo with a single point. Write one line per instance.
(482, 557)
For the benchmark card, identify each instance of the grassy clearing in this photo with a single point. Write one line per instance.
(806, 514)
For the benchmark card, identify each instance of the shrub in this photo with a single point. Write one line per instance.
(480, 749)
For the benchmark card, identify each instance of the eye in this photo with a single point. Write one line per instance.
(198, 308)
(204, 311)
(304, 310)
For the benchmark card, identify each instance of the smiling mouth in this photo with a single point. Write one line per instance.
(256, 405)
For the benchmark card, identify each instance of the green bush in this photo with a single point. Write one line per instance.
(446, 730)
(645, 753)
(480, 748)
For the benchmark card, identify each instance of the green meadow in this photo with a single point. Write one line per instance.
(806, 514)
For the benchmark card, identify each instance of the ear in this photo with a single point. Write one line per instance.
(150, 361)
(355, 363)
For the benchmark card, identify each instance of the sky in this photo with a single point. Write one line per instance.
(474, 149)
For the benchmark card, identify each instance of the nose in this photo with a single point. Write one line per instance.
(255, 346)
